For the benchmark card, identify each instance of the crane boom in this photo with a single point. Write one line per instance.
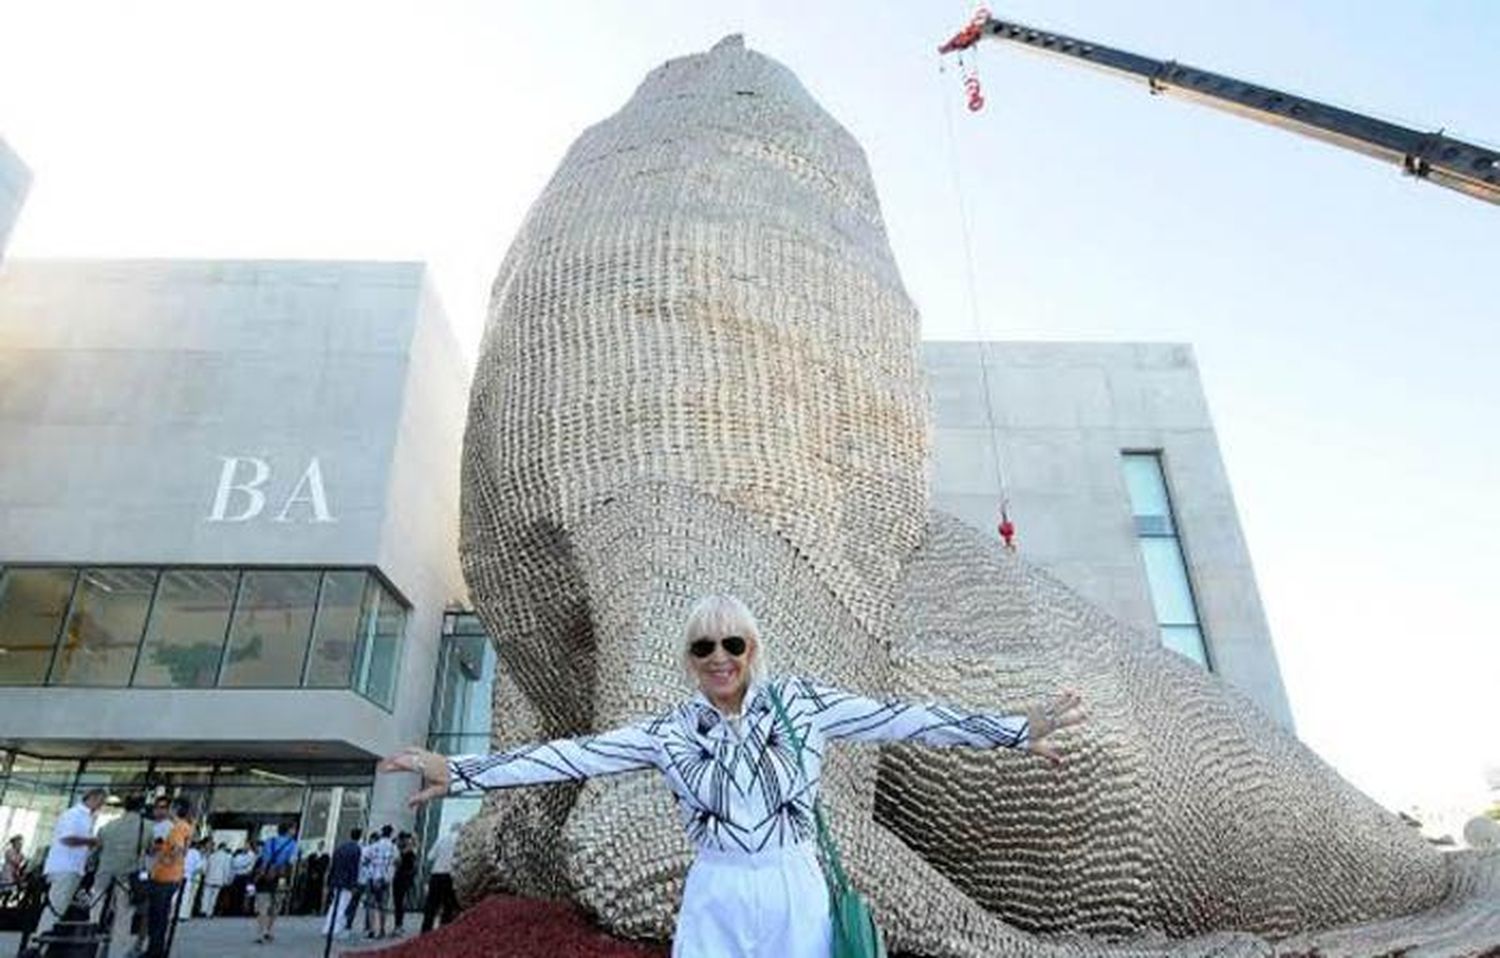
(1466, 167)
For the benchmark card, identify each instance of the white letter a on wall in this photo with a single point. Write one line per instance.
(312, 482)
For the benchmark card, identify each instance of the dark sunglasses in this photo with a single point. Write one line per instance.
(703, 648)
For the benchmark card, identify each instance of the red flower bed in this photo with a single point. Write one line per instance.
(502, 927)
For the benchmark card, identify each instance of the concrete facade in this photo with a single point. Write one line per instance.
(15, 180)
(127, 388)
(169, 413)
(1059, 416)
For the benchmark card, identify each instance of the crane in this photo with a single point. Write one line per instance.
(1465, 167)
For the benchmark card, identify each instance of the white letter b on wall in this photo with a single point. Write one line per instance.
(251, 489)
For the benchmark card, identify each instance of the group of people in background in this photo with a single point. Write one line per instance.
(138, 871)
(377, 872)
(142, 875)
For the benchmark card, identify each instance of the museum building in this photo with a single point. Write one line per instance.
(228, 513)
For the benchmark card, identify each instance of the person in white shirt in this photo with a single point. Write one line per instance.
(440, 897)
(362, 890)
(72, 840)
(218, 873)
(161, 819)
(378, 862)
(241, 864)
(757, 886)
(192, 881)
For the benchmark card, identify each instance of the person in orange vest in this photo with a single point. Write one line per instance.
(168, 865)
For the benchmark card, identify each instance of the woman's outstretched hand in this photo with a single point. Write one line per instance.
(432, 767)
(1058, 713)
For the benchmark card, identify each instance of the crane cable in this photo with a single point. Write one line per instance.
(1006, 528)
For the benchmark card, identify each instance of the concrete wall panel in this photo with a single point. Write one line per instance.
(1063, 414)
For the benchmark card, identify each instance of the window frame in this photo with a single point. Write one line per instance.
(1159, 457)
(373, 583)
(51, 680)
(11, 568)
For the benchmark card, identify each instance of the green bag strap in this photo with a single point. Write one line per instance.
(837, 877)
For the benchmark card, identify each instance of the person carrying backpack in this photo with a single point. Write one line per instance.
(272, 877)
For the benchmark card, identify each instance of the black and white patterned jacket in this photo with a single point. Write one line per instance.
(737, 784)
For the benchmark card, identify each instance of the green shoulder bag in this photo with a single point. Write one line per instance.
(855, 934)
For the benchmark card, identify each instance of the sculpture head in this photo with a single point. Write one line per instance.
(704, 295)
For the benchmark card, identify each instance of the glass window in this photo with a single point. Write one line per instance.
(187, 779)
(256, 810)
(261, 773)
(1185, 640)
(32, 605)
(369, 613)
(56, 774)
(31, 811)
(317, 820)
(104, 627)
(174, 775)
(121, 778)
(185, 638)
(1148, 488)
(35, 794)
(385, 620)
(317, 772)
(445, 743)
(1149, 501)
(467, 623)
(440, 817)
(331, 663)
(269, 635)
(465, 684)
(1167, 576)
(353, 810)
(197, 628)
(1161, 552)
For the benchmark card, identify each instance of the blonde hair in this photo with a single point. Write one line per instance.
(720, 615)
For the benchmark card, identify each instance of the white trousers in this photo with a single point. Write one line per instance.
(338, 904)
(121, 941)
(60, 891)
(772, 904)
(186, 896)
(211, 899)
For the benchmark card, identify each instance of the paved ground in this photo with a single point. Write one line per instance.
(235, 938)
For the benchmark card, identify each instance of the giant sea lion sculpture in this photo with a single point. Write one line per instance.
(701, 373)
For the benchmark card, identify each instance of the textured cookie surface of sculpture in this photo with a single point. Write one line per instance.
(701, 373)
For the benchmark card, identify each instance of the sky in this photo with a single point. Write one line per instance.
(1343, 316)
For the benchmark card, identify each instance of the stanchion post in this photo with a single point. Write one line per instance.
(107, 916)
(332, 922)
